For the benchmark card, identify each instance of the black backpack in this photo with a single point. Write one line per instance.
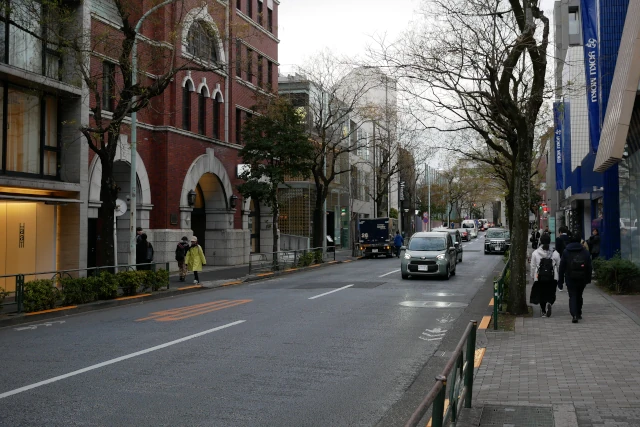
(545, 270)
(181, 252)
(578, 267)
(149, 252)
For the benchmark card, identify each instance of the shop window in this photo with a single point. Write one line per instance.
(30, 132)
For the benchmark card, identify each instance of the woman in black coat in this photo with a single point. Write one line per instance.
(141, 252)
(594, 243)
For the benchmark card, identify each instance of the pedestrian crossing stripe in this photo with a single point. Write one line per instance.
(192, 310)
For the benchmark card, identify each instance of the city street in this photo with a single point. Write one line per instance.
(339, 345)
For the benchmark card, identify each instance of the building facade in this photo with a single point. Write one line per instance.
(189, 138)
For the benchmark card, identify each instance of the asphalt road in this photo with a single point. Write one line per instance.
(336, 346)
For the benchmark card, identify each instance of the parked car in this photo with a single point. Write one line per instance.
(457, 242)
(497, 240)
(429, 254)
(470, 225)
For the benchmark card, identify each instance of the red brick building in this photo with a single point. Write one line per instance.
(188, 137)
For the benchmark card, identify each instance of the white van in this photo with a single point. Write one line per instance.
(471, 227)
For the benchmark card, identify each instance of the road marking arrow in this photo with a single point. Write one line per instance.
(32, 327)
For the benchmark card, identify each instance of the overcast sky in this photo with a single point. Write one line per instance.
(344, 26)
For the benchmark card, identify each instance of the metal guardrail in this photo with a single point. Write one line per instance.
(459, 373)
(498, 293)
(18, 293)
(282, 260)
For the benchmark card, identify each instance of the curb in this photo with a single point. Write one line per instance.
(18, 319)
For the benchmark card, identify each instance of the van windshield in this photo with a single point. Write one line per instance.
(427, 244)
(468, 225)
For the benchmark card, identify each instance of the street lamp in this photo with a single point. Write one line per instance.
(134, 134)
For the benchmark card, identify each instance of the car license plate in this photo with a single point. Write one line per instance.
(497, 247)
(374, 250)
(423, 268)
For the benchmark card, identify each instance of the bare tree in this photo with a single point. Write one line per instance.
(481, 65)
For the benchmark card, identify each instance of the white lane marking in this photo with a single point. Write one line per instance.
(330, 292)
(391, 272)
(32, 327)
(116, 360)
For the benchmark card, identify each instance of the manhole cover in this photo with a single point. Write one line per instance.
(516, 416)
(433, 304)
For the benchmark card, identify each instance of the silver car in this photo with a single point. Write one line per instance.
(429, 254)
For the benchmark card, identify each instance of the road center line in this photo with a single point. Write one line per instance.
(391, 272)
(330, 292)
(116, 360)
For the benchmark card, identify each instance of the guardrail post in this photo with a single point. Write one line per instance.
(437, 414)
(19, 292)
(471, 356)
(496, 302)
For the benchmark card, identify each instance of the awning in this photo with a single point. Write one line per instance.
(30, 198)
(623, 93)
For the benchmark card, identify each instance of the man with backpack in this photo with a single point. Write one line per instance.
(575, 269)
(544, 275)
(181, 253)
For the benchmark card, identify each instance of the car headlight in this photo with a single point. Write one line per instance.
(441, 256)
(407, 255)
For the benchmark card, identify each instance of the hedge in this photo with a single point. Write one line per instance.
(46, 294)
(617, 274)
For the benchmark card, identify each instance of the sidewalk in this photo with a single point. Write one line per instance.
(550, 372)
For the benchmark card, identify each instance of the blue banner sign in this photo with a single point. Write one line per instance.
(558, 119)
(589, 15)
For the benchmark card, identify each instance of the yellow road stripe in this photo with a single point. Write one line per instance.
(446, 405)
(484, 324)
(51, 310)
(332, 262)
(237, 282)
(477, 357)
(184, 288)
(264, 274)
(192, 310)
(348, 260)
(183, 309)
(132, 297)
(314, 265)
(491, 302)
(291, 269)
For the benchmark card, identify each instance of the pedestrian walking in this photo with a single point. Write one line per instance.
(575, 270)
(594, 244)
(195, 259)
(138, 234)
(545, 264)
(144, 253)
(397, 242)
(563, 240)
(181, 253)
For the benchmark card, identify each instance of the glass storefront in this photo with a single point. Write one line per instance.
(629, 173)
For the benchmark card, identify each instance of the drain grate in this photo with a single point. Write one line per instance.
(516, 416)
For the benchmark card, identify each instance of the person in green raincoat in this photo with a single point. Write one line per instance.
(195, 259)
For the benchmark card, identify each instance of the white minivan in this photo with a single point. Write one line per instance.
(471, 227)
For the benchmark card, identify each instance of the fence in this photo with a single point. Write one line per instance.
(459, 373)
(498, 293)
(14, 300)
(283, 260)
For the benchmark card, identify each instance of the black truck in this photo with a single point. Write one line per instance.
(375, 237)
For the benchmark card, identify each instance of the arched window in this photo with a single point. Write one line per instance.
(186, 105)
(216, 116)
(202, 42)
(202, 111)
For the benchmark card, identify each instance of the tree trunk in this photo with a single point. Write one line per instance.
(508, 202)
(108, 196)
(517, 303)
(318, 216)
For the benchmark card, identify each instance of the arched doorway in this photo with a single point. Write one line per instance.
(210, 212)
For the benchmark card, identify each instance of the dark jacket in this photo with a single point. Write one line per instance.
(572, 251)
(141, 251)
(561, 242)
(594, 244)
(398, 240)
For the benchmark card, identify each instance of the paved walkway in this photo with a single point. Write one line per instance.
(587, 373)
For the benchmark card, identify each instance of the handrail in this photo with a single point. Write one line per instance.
(460, 395)
(274, 261)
